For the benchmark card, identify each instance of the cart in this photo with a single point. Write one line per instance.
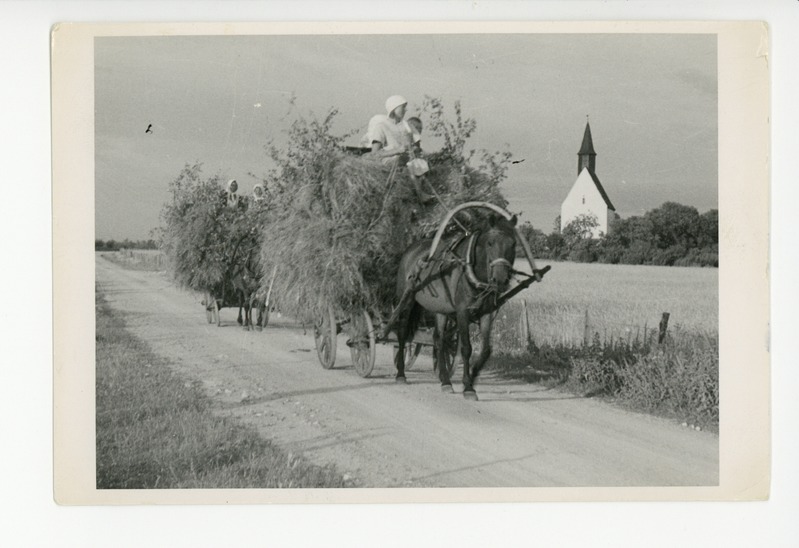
(362, 337)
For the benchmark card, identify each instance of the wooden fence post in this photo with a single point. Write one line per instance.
(664, 325)
(586, 330)
(524, 326)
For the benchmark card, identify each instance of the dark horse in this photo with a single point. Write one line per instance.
(246, 281)
(245, 278)
(464, 280)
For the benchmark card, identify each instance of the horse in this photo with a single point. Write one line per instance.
(246, 280)
(464, 281)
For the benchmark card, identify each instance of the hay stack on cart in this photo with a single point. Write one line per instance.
(208, 244)
(340, 224)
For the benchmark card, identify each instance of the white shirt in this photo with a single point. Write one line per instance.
(372, 131)
(391, 135)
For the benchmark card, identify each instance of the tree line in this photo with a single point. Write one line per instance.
(671, 235)
(116, 245)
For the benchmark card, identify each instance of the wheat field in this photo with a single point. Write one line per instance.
(620, 302)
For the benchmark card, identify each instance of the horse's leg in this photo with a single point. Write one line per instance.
(239, 319)
(406, 325)
(440, 352)
(485, 336)
(260, 317)
(465, 346)
(246, 306)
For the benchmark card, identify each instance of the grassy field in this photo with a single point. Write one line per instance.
(621, 301)
(138, 259)
(156, 430)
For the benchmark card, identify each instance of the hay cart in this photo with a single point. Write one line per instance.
(363, 337)
(224, 296)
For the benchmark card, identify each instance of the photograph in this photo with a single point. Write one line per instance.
(417, 264)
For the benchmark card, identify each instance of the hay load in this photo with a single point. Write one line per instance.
(202, 237)
(341, 223)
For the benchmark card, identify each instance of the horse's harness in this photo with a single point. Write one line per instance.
(445, 262)
(448, 259)
(469, 265)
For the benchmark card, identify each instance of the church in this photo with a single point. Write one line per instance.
(587, 196)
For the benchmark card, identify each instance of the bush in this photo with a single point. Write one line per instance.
(584, 251)
(679, 378)
(667, 257)
(638, 253)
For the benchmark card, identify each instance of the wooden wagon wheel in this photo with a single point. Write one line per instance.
(450, 341)
(265, 317)
(325, 332)
(362, 343)
(209, 310)
(412, 352)
(261, 310)
(216, 312)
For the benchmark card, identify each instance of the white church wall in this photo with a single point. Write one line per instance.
(585, 199)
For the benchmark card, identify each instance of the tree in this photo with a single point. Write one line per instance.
(707, 231)
(674, 224)
(536, 238)
(580, 228)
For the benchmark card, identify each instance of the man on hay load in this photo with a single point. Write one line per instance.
(393, 140)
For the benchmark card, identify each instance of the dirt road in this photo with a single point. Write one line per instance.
(386, 435)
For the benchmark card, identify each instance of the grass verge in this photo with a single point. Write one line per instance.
(678, 379)
(156, 429)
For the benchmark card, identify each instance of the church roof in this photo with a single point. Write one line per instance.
(600, 188)
(588, 143)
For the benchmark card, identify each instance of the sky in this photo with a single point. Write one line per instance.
(651, 100)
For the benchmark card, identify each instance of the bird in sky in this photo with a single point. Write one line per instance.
(517, 161)
(149, 129)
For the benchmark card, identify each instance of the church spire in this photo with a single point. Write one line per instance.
(586, 156)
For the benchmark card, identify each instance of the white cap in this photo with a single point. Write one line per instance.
(258, 191)
(393, 102)
(230, 182)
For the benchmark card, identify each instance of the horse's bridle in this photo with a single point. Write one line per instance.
(471, 276)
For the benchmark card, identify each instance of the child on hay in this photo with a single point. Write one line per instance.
(258, 193)
(415, 128)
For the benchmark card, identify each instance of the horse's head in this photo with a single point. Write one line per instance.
(496, 251)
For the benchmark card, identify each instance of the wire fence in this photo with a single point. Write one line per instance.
(518, 325)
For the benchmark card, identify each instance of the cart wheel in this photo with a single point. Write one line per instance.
(362, 343)
(209, 310)
(450, 340)
(265, 317)
(216, 313)
(325, 339)
(261, 310)
(412, 352)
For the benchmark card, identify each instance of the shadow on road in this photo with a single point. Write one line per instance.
(296, 393)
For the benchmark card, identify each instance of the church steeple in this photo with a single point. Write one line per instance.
(586, 156)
